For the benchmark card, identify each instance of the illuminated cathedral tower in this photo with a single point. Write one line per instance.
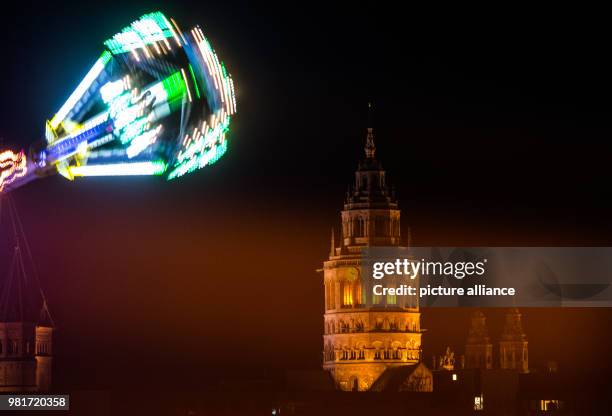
(365, 335)
(513, 353)
(478, 349)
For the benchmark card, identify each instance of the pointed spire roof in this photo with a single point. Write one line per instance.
(44, 318)
(21, 296)
(370, 147)
(513, 326)
(370, 163)
(16, 301)
(478, 333)
(370, 189)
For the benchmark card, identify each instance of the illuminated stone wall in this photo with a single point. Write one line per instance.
(24, 365)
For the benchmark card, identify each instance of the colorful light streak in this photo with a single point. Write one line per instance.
(205, 147)
(77, 94)
(147, 30)
(158, 101)
(120, 169)
(12, 166)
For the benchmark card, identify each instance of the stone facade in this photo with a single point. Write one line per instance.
(25, 357)
(364, 335)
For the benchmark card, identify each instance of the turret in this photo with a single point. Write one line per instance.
(44, 349)
(26, 326)
(371, 215)
(478, 348)
(513, 348)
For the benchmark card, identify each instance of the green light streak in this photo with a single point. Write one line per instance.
(148, 29)
(195, 83)
(175, 86)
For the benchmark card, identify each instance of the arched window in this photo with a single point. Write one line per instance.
(364, 182)
(376, 299)
(347, 298)
(360, 227)
(391, 299)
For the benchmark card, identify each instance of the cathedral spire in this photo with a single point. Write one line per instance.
(513, 346)
(370, 147)
(478, 348)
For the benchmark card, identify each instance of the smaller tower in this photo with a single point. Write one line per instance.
(26, 326)
(478, 349)
(513, 351)
(44, 349)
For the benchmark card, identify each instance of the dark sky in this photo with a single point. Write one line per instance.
(493, 124)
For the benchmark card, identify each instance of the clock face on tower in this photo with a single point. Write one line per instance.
(352, 274)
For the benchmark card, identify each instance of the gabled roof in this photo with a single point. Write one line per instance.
(394, 379)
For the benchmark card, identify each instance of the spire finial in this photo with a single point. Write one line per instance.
(333, 244)
(370, 148)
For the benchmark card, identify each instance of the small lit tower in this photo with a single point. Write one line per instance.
(44, 349)
(366, 334)
(513, 351)
(25, 323)
(478, 348)
(17, 363)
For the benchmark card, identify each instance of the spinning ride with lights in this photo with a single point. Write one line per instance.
(158, 101)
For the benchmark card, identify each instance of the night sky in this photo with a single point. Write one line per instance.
(494, 126)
